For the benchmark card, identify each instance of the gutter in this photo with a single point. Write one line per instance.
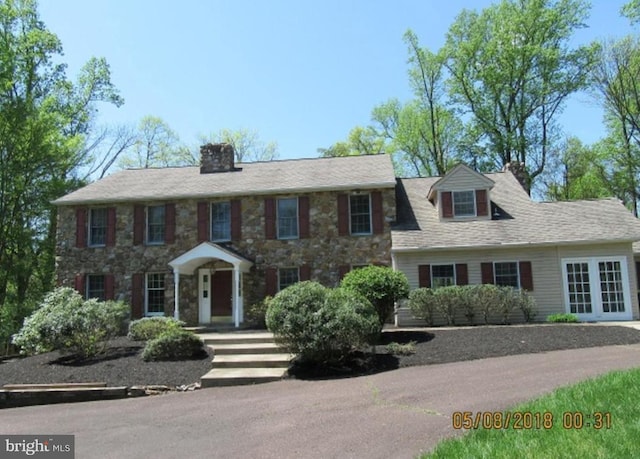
(512, 245)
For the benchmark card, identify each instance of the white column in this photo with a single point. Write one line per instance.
(236, 295)
(176, 293)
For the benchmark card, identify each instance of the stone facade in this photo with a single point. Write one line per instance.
(324, 251)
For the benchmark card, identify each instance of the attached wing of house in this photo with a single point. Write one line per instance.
(472, 228)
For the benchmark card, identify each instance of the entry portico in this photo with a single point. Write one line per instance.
(189, 262)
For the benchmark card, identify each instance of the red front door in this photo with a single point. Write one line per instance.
(221, 293)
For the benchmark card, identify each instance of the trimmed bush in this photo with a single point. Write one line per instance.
(257, 312)
(66, 323)
(174, 345)
(487, 299)
(151, 327)
(319, 324)
(563, 318)
(527, 304)
(381, 285)
(422, 304)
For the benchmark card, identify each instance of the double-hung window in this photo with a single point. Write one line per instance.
(155, 224)
(288, 218)
(360, 212)
(442, 276)
(221, 221)
(507, 274)
(155, 294)
(287, 277)
(96, 287)
(464, 204)
(98, 227)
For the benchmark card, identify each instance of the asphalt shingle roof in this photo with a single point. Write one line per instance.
(524, 222)
(287, 176)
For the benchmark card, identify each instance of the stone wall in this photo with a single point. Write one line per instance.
(324, 251)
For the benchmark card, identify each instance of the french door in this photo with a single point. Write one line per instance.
(597, 288)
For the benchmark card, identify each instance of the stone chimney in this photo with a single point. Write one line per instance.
(520, 172)
(217, 157)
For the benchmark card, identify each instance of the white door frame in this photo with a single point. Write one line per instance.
(595, 288)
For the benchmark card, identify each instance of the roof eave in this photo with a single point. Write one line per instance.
(346, 187)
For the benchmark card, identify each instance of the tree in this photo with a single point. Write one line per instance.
(512, 69)
(578, 172)
(246, 144)
(631, 11)
(44, 122)
(157, 145)
(616, 79)
(361, 141)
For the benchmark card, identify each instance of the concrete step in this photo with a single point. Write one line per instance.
(236, 337)
(240, 376)
(252, 361)
(253, 348)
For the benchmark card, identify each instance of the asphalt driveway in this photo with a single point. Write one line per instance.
(395, 414)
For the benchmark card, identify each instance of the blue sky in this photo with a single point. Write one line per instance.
(301, 73)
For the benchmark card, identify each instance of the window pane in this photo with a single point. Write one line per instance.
(360, 214)
(95, 287)
(155, 224)
(579, 288)
(464, 203)
(221, 221)
(611, 286)
(442, 275)
(507, 274)
(98, 227)
(287, 218)
(287, 277)
(155, 293)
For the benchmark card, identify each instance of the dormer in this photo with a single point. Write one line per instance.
(462, 194)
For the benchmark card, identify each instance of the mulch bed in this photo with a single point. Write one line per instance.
(123, 366)
(469, 343)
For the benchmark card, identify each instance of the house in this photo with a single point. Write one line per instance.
(204, 243)
(471, 228)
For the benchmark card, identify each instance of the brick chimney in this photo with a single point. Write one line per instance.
(217, 157)
(520, 172)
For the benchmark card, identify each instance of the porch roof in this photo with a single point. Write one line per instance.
(188, 262)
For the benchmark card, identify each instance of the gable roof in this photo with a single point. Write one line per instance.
(286, 176)
(454, 174)
(523, 223)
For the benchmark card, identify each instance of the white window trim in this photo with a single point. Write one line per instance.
(370, 216)
(453, 265)
(297, 268)
(147, 232)
(596, 292)
(517, 262)
(89, 228)
(211, 222)
(284, 238)
(453, 204)
(146, 296)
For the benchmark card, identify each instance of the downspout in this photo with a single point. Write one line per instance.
(176, 293)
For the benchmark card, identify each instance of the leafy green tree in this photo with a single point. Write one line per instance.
(45, 119)
(246, 143)
(511, 68)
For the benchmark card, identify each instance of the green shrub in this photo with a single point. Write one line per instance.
(174, 345)
(151, 327)
(320, 324)
(422, 304)
(527, 304)
(66, 323)
(381, 285)
(563, 318)
(257, 312)
(487, 299)
(402, 349)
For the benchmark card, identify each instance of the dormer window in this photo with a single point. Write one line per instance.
(464, 204)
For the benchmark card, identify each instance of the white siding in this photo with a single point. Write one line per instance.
(463, 179)
(548, 289)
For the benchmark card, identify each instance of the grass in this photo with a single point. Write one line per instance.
(615, 393)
